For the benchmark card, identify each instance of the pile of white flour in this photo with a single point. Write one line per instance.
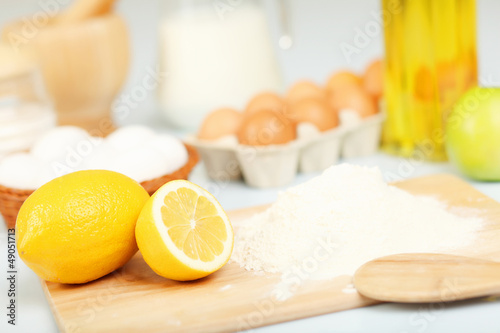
(334, 223)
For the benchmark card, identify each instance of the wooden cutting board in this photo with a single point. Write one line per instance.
(134, 298)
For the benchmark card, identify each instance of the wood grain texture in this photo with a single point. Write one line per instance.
(427, 277)
(134, 298)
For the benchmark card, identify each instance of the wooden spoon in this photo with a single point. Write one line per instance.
(426, 278)
(81, 10)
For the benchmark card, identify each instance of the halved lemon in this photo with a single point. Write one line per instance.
(183, 233)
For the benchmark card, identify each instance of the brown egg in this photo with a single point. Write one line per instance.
(265, 101)
(265, 127)
(304, 90)
(373, 79)
(341, 80)
(354, 98)
(219, 123)
(315, 111)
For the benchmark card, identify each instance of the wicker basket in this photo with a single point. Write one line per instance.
(11, 199)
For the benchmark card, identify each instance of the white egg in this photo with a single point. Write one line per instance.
(129, 137)
(21, 171)
(66, 144)
(172, 148)
(102, 158)
(48, 172)
(142, 163)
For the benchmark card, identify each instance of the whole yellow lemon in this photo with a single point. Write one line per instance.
(80, 227)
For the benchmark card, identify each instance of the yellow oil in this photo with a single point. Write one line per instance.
(431, 61)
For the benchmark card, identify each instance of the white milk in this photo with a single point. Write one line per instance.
(213, 61)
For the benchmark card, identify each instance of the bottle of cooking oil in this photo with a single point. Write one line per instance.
(430, 62)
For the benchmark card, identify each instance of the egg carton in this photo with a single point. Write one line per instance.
(277, 165)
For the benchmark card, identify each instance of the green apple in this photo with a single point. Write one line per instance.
(473, 134)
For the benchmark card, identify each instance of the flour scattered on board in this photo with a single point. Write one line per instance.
(349, 289)
(332, 224)
(226, 287)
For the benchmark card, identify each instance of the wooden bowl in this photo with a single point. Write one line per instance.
(84, 66)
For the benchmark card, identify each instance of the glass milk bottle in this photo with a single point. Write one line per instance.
(430, 62)
(215, 54)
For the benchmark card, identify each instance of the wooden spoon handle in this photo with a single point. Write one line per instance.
(82, 10)
(426, 277)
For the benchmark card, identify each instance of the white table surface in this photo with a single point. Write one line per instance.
(34, 314)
